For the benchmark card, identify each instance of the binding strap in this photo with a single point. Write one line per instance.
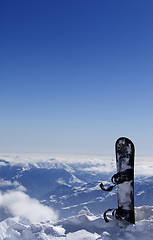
(105, 214)
(107, 189)
(122, 177)
(119, 178)
(120, 214)
(124, 215)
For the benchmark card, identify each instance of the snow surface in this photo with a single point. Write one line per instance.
(58, 197)
(81, 227)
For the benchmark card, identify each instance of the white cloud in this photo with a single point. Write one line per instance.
(6, 183)
(14, 184)
(20, 204)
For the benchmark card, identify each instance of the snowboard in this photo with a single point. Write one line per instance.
(124, 179)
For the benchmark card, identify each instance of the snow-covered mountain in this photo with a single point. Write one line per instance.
(60, 198)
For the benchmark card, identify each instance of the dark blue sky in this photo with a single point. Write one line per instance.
(76, 75)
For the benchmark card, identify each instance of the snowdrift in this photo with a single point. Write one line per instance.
(83, 226)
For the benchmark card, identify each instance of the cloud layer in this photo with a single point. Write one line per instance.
(20, 204)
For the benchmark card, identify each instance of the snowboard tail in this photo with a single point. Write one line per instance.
(124, 179)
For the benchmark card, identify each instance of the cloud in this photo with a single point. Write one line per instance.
(7, 183)
(20, 204)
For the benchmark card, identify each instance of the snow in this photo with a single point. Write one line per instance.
(125, 198)
(83, 226)
(58, 198)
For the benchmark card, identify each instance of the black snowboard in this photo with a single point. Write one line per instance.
(125, 166)
(124, 179)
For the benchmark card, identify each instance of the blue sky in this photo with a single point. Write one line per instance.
(75, 75)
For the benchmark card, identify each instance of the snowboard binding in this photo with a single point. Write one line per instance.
(124, 179)
(119, 178)
(122, 215)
